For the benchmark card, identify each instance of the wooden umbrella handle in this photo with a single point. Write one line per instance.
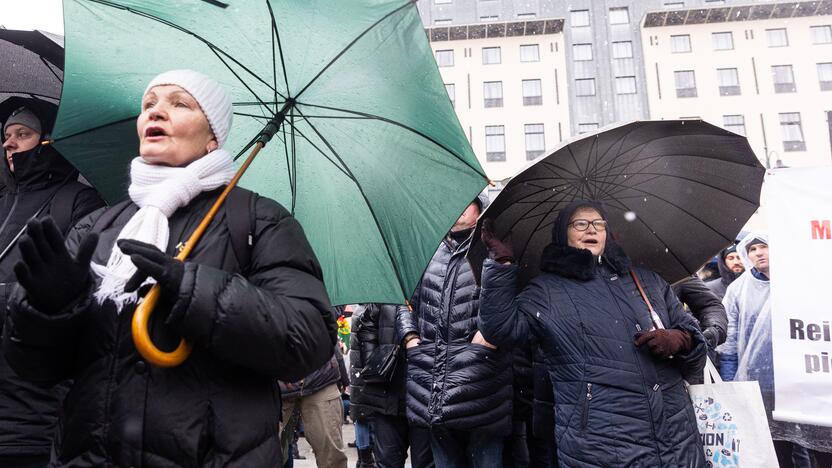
(141, 317)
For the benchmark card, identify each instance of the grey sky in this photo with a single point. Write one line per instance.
(32, 14)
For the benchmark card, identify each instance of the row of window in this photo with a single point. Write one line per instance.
(729, 81)
(492, 92)
(778, 37)
(581, 18)
(495, 142)
(623, 85)
(791, 129)
(619, 49)
(490, 55)
(669, 4)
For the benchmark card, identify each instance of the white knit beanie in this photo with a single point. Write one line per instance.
(212, 98)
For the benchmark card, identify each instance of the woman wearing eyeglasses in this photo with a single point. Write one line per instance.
(617, 372)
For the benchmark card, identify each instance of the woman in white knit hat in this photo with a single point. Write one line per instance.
(253, 317)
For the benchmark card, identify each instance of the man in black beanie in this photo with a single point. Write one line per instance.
(730, 268)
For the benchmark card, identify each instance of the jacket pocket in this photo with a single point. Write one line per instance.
(585, 409)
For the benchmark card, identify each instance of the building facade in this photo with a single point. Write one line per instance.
(762, 70)
(507, 82)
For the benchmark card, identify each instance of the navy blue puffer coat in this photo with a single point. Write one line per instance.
(615, 405)
(451, 382)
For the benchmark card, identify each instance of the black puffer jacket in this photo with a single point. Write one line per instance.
(374, 327)
(250, 326)
(452, 382)
(615, 404)
(705, 307)
(28, 412)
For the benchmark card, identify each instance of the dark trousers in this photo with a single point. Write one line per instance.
(392, 436)
(464, 449)
(523, 449)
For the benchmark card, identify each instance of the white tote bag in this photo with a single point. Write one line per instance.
(732, 422)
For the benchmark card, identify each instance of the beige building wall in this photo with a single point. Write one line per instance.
(468, 75)
(757, 102)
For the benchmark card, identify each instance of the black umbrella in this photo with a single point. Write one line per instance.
(675, 191)
(31, 65)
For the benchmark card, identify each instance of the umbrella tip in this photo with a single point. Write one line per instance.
(47, 142)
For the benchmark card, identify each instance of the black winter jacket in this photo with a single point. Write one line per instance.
(374, 327)
(28, 412)
(615, 404)
(250, 325)
(451, 382)
(706, 307)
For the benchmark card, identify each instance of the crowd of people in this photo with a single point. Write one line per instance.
(584, 366)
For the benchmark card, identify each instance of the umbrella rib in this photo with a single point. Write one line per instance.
(286, 153)
(369, 206)
(295, 128)
(280, 51)
(683, 210)
(549, 165)
(563, 196)
(682, 178)
(401, 125)
(543, 189)
(349, 46)
(99, 127)
(238, 78)
(46, 63)
(186, 31)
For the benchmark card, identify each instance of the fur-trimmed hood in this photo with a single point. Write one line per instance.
(561, 259)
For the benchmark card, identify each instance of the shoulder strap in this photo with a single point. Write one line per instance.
(110, 214)
(63, 203)
(239, 214)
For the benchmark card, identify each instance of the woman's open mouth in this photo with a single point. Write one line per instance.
(154, 133)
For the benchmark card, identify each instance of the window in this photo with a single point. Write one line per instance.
(685, 83)
(723, 40)
(680, 44)
(579, 18)
(714, 2)
(582, 52)
(777, 37)
(792, 132)
(492, 92)
(674, 4)
(490, 55)
(587, 127)
(526, 15)
(489, 18)
(585, 87)
(529, 53)
(729, 81)
(440, 2)
(532, 93)
(622, 50)
(734, 123)
(440, 22)
(445, 58)
(495, 143)
(535, 141)
(822, 34)
(783, 78)
(825, 76)
(619, 15)
(451, 90)
(625, 85)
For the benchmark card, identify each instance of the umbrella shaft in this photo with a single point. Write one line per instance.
(274, 124)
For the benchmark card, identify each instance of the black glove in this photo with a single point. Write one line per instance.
(500, 250)
(150, 261)
(665, 343)
(51, 277)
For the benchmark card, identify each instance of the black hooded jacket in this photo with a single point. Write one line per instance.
(451, 382)
(42, 178)
(614, 404)
(250, 326)
(726, 276)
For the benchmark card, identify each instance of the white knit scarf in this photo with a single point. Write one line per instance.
(158, 191)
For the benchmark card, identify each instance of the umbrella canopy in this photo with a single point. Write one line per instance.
(675, 191)
(370, 157)
(31, 65)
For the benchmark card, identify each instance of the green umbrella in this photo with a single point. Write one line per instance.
(369, 155)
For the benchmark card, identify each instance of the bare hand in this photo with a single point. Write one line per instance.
(480, 340)
(411, 340)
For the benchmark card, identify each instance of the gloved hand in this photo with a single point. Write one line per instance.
(51, 277)
(150, 261)
(665, 343)
(500, 250)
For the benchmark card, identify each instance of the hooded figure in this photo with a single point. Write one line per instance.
(35, 181)
(619, 394)
(726, 274)
(250, 322)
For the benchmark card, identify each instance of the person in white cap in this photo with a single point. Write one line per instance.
(251, 320)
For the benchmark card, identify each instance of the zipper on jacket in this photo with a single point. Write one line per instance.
(585, 414)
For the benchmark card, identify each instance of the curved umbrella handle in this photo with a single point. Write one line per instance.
(141, 336)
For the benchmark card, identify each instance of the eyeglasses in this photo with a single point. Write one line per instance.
(582, 225)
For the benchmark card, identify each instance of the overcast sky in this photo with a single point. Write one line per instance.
(32, 14)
